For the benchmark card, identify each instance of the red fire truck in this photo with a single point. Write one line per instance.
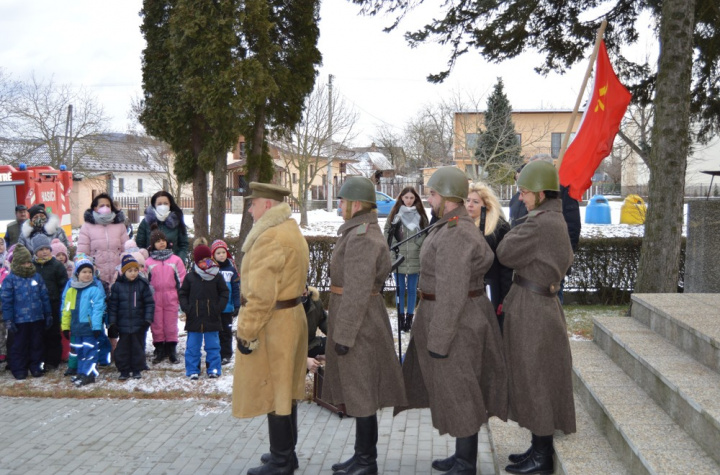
(32, 185)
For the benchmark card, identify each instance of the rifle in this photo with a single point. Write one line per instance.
(422, 231)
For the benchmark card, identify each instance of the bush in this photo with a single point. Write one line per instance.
(604, 268)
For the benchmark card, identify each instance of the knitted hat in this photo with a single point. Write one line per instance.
(37, 209)
(201, 252)
(40, 241)
(156, 235)
(80, 264)
(21, 255)
(58, 248)
(218, 244)
(127, 263)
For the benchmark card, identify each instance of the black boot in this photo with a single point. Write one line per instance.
(159, 352)
(540, 460)
(364, 461)
(517, 458)
(408, 322)
(466, 449)
(444, 465)
(265, 458)
(171, 350)
(401, 321)
(281, 447)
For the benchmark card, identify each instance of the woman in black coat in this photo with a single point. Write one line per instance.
(484, 207)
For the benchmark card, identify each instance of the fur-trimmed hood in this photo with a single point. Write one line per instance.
(276, 215)
(51, 227)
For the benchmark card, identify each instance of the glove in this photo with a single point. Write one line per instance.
(113, 331)
(11, 327)
(66, 334)
(341, 350)
(436, 356)
(97, 333)
(48, 322)
(242, 347)
(236, 313)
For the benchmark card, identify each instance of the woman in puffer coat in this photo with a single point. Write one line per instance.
(169, 217)
(406, 218)
(102, 236)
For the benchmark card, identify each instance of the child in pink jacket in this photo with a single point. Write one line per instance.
(166, 272)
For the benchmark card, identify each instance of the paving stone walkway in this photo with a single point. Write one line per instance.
(72, 436)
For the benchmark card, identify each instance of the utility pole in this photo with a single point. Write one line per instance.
(330, 149)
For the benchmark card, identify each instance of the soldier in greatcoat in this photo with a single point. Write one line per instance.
(454, 363)
(536, 343)
(272, 329)
(362, 371)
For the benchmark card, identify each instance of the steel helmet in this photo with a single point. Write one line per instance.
(449, 182)
(358, 188)
(539, 176)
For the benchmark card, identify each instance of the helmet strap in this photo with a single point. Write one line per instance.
(348, 208)
(441, 208)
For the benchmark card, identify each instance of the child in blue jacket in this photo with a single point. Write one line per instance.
(229, 272)
(83, 309)
(26, 311)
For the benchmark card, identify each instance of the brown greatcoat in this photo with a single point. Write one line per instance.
(536, 342)
(274, 268)
(368, 377)
(470, 385)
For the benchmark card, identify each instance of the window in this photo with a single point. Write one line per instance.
(556, 139)
(471, 141)
(294, 178)
(121, 185)
(518, 137)
(140, 189)
(312, 170)
(242, 148)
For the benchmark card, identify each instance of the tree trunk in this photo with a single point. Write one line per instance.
(219, 197)
(302, 194)
(200, 210)
(253, 172)
(660, 256)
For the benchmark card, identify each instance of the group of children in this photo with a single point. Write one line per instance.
(42, 303)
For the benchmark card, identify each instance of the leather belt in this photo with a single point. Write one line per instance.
(339, 291)
(544, 290)
(472, 294)
(280, 304)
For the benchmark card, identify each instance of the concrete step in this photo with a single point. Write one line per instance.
(644, 437)
(585, 452)
(689, 321)
(688, 391)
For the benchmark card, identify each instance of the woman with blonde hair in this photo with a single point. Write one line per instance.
(484, 207)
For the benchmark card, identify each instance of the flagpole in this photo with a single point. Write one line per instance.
(566, 138)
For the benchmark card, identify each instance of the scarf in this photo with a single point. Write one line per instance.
(409, 217)
(41, 260)
(208, 274)
(161, 255)
(103, 219)
(76, 284)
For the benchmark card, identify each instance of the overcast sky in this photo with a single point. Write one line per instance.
(97, 44)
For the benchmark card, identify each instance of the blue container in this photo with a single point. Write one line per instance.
(598, 211)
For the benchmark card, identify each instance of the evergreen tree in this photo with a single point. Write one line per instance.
(498, 149)
(190, 84)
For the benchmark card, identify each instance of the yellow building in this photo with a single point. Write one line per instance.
(538, 131)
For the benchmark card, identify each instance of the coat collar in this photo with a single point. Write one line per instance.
(457, 213)
(368, 217)
(272, 217)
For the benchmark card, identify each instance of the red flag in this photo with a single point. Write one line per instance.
(600, 123)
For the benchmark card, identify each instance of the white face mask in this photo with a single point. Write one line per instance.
(162, 212)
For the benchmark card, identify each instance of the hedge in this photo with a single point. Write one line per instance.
(604, 269)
